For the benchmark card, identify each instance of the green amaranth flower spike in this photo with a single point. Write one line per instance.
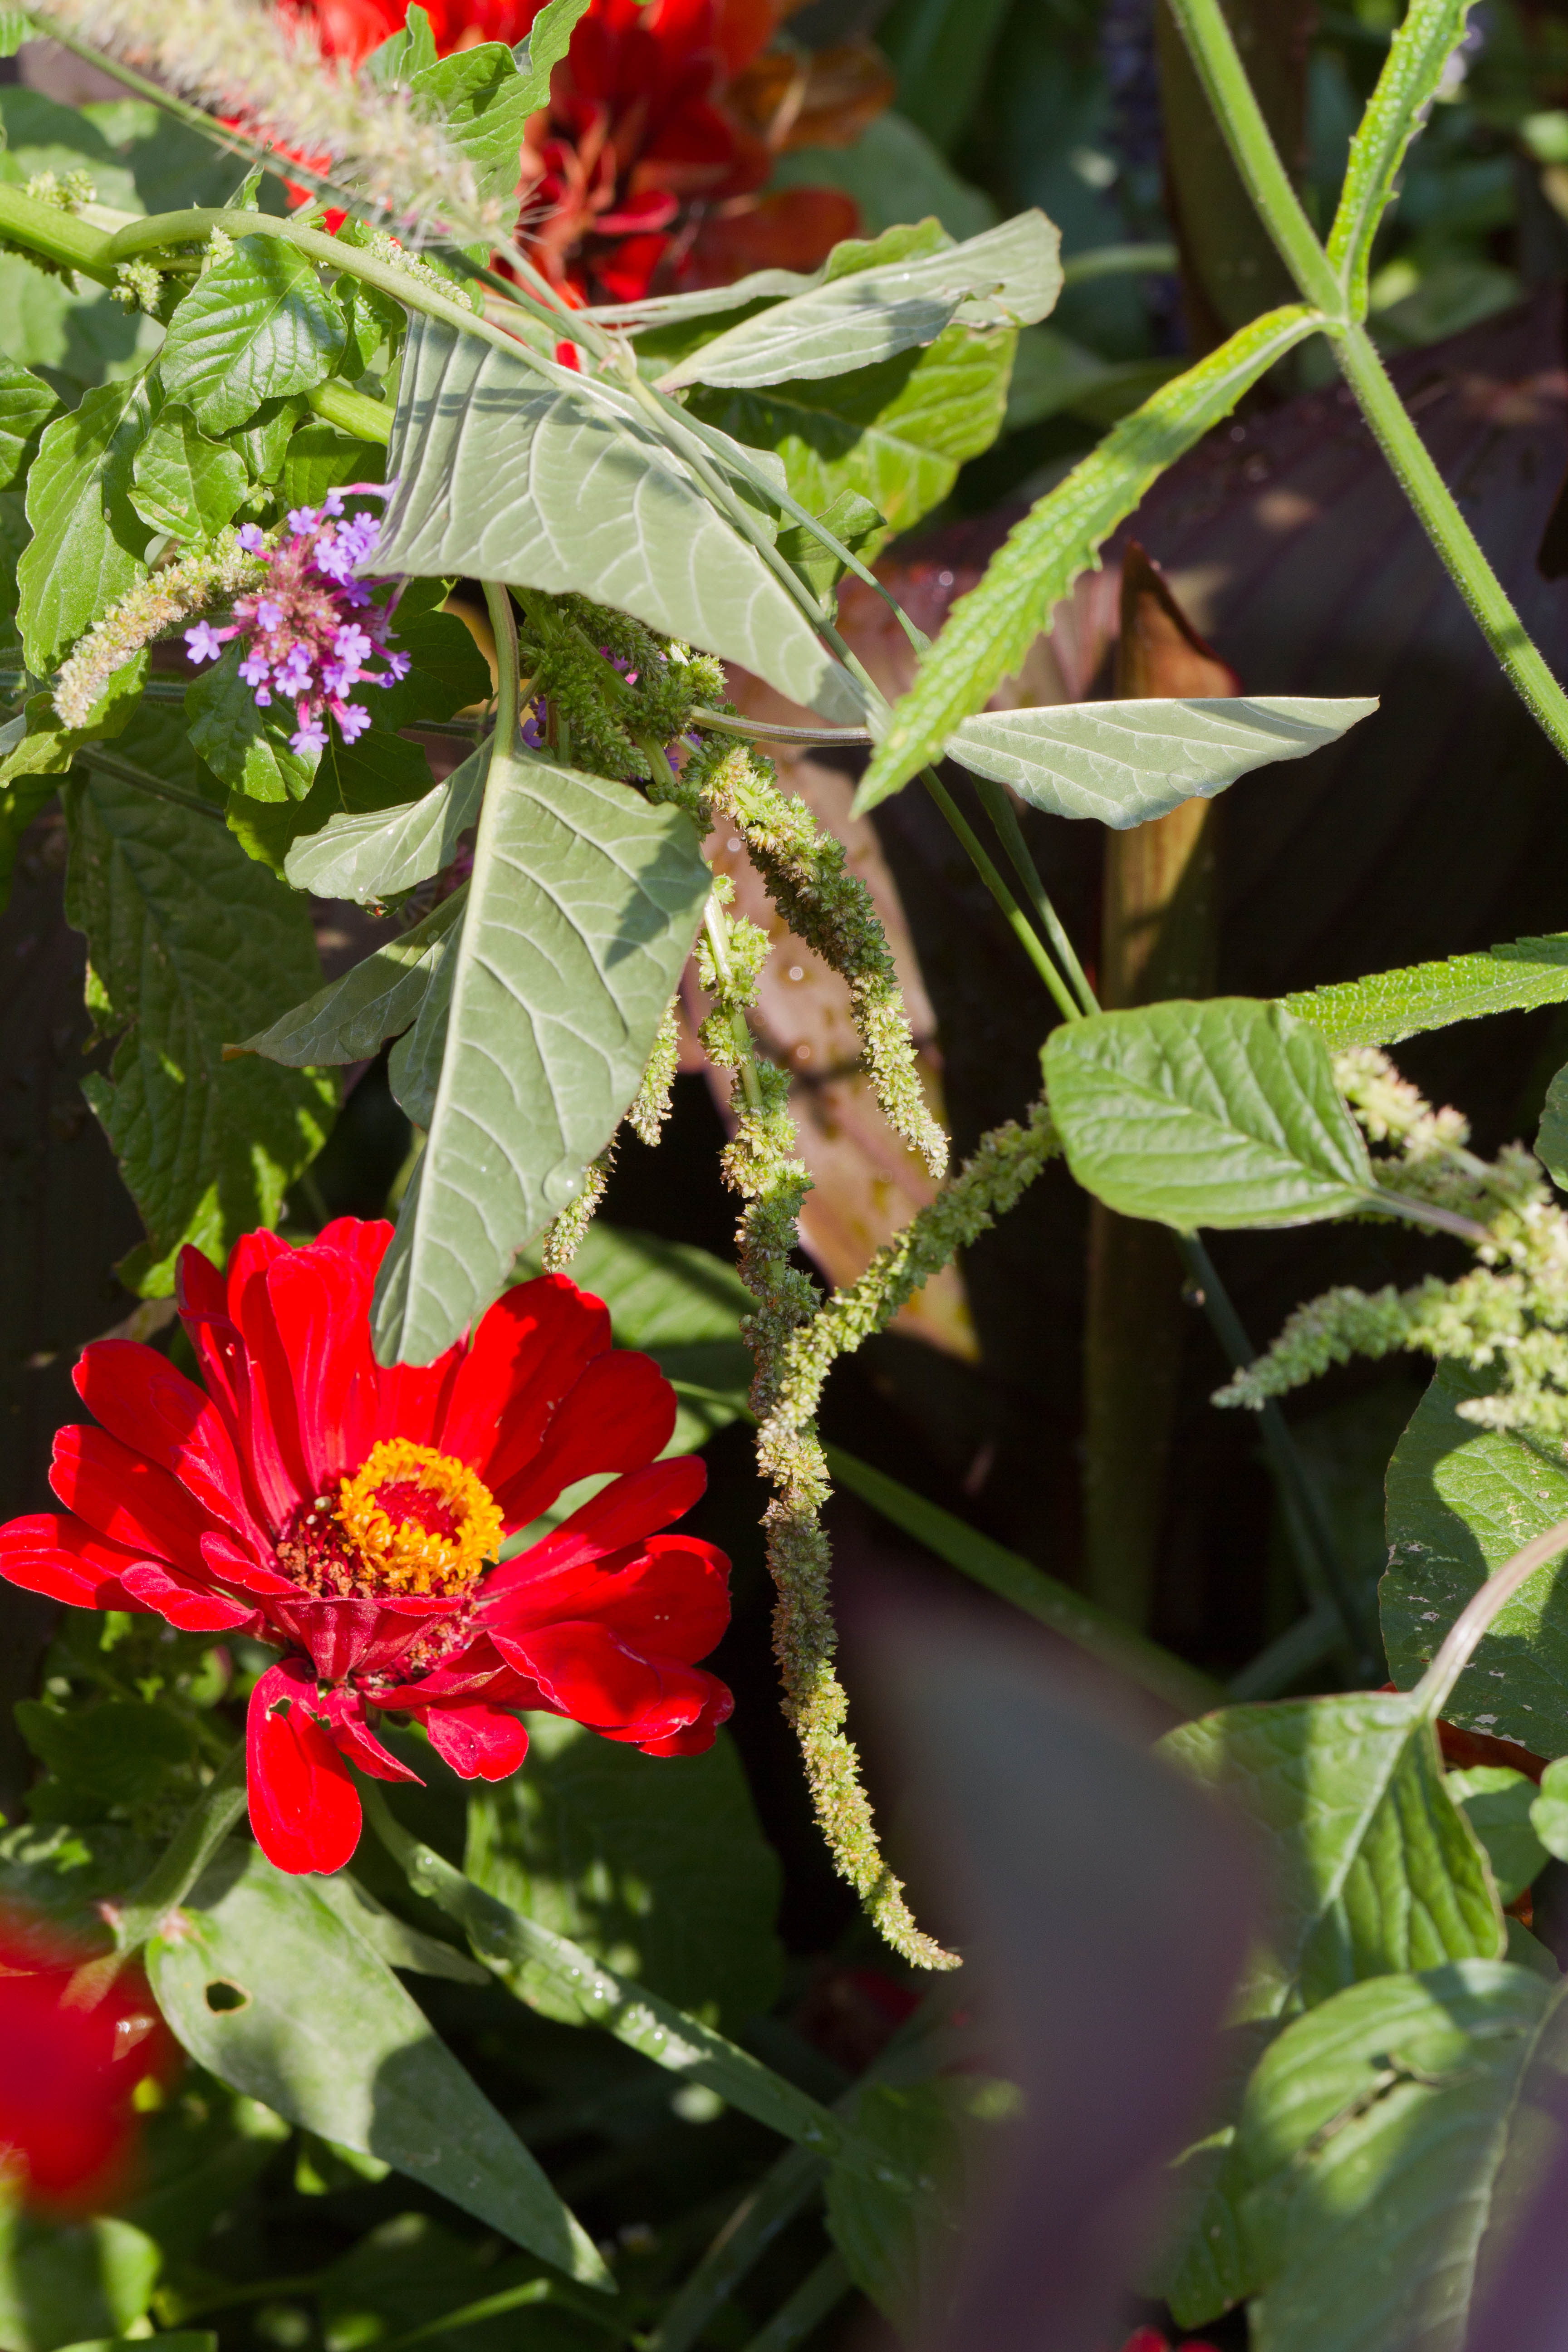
(1508, 1317)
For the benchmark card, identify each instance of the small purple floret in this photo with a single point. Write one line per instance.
(203, 643)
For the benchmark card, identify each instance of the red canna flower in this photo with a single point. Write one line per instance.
(352, 1516)
(74, 2053)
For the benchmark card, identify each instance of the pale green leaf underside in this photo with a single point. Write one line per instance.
(1374, 2141)
(988, 632)
(1387, 1006)
(372, 856)
(510, 472)
(1125, 762)
(1224, 1113)
(1009, 275)
(329, 2038)
(1461, 1501)
(582, 910)
(347, 1020)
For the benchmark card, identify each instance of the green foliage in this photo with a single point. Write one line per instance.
(26, 404)
(1548, 1810)
(899, 2249)
(87, 539)
(256, 326)
(246, 748)
(1497, 1803)
(71, 2282)
(383, 851)
(1224, 1113)
(503, 475)
(656, 1866)
(181, 481)
(580, 912)
(207, 1147)
(1418, 59)
(1384, 2119)
(381, 997)
(1125, 762)
(314, 2023)
(1461, 1500)
(1387, 1006)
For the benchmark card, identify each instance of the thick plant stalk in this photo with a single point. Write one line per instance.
(1158, 940)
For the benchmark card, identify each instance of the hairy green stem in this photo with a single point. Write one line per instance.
(997, 802)
(756, 731)
(1438, 511)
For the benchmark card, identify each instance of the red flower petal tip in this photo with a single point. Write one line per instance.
(354, 1517)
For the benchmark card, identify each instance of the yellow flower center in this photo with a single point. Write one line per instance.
(421, 1521)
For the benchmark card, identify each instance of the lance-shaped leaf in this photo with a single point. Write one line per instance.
(1009, 275)
(1462, 1499)
(988, 632)
(1124, 763)
(273, 1992)
(347, 1020)
(482, 103)
(1389, 1005)
(581, 912)
(372, 856)
(189, 940)
(1377, 2151)
(514, 470)
(1224, 1113)
(1412, 73)
(256, 327)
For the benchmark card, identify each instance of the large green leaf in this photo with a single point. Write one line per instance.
(988, 632)
(1462, 1500)
(1224, 1113)
(256, 327)
(247, 748)
(372, 856)
(1371, 2148)
(184, 483)
(1387, 1006)
(379, 998)
(26, 404)
(1371, 1866)
(894, 434)
(581, 912)
(1008, 276)
(188, 941)
(517, 471)
(1124, 763)
(67, 2282)
(654, 1864)
(483, 104)
(549, 37)
(1412, 74)
(312, 2021)
(88, 538)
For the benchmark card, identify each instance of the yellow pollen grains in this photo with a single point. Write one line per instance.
(421, 1521)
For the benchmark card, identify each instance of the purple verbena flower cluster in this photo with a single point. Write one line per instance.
(310, 631)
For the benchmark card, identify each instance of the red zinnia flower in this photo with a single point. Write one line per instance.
(352, 1516)
(74, 2053)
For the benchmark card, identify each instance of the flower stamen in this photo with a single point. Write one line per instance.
(420, 1521)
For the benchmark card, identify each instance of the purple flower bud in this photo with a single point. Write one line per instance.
(203, 643)
(255, 670)
(352, 719)
(252, 538)
(333, 503)
(398, 662)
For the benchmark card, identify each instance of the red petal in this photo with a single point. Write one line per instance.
(56, 1554)
(346, 1634)
(345, 1711)
(586, 1673)
(413, 1397)
(141, 1399)
(123, 1495)
(304, 1808)
(527, 1352)
(271, 1428)
(617, 1515)
(187, 1605)
(229, 1565)
(618, 1416)
(709, 1701)
(480, 1742)
(666, 1598)
(320, 1310)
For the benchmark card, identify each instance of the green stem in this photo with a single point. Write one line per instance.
(1450, 534)
(998, 804)
(59, 236)
(503, 622)
(1247, 134)
(190, 1849)
(755, 730)
(1018, 922)
(352, 412)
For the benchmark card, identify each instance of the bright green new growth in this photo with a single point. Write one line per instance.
(1508, 1317)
